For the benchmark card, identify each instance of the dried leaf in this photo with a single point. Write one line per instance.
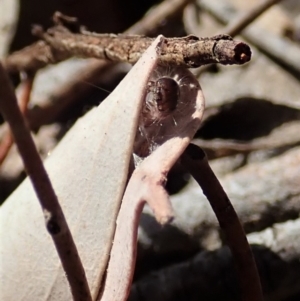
(89, 171)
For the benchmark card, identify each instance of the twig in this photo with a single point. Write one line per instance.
(54, 217)
(196, 163)
(7, 140)
(151, 21)
(189, 51)
(282, 50)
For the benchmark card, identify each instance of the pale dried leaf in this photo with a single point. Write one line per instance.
(89, 171)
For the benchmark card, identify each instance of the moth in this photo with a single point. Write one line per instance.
(89, 171)
(168, 95)
(161, 100)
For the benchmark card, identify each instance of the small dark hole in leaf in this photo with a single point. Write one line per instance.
(53, 227)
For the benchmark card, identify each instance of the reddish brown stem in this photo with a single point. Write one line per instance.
(7, 140)
(5, 144)
(195, 161)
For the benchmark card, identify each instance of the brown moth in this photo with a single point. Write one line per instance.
(161, 100)
(170, 90)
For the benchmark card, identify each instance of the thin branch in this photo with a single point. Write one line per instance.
(189, 51)
(241, 22)
(195, 161)
(54, 217)
(31, 58)
(7, 140)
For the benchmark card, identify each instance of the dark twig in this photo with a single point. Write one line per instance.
(150, 22)
(54, 217)
(195, 161)
(7, 140)
(32, 58)
(189, 51)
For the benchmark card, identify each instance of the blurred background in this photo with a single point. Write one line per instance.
(250, 132)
